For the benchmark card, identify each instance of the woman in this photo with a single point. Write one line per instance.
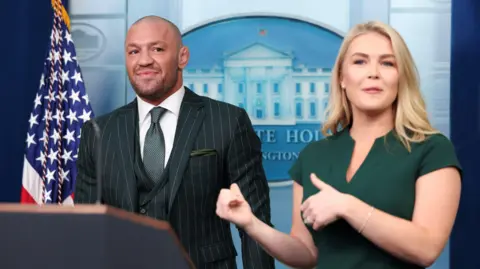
(382, 190)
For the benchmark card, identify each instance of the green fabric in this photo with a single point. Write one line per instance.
(154, 148)
(386, 180)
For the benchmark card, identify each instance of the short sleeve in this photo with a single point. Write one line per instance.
(439, 153)
(295, 171)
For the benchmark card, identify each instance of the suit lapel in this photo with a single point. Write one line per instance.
(126, 130)
(189, 122)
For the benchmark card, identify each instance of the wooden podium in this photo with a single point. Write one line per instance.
(85, 237)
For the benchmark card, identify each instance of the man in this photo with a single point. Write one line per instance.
(168, 153)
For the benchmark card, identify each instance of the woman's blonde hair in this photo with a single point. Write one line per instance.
(411, 120)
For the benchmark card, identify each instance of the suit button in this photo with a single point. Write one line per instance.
(143, 211)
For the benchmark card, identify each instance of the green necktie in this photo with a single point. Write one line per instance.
(154, 147)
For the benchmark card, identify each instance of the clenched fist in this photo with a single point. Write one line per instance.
(232, 206)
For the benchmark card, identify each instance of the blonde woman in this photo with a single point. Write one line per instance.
(382, 189)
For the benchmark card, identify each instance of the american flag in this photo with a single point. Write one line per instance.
(60, 108)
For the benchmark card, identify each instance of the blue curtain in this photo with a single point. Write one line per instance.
(465, 128)
(26, 26)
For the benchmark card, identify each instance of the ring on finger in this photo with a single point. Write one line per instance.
(307, 221)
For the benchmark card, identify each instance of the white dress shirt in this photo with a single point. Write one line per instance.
(168, 121)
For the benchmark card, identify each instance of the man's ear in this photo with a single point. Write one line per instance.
(183, 57)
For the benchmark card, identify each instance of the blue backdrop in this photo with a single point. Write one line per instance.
(465, 128)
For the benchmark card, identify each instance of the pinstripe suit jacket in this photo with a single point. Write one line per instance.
(194, 181)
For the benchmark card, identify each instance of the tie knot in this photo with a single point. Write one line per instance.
(156, 113)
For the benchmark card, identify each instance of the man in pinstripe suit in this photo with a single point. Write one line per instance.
(206, 145)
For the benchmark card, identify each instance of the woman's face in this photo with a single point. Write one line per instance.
(369, 74)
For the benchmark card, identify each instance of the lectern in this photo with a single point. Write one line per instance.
(85, 237)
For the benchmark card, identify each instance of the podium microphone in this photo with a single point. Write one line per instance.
(98, 148)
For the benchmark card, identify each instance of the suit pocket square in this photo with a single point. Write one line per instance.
(203, 152)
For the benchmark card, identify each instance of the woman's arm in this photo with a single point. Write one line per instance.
(421, 240)
(297, 249)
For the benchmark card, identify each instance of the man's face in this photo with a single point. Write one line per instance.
(152, 53)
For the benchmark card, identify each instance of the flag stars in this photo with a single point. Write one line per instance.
(30, 140)
(42, 81)
(67, 57)
(65, 77)
(62, 96)
(85, 116)
(64, 175)
(49, 97)
(50, 175)
(67, 156)
(85, 97)
(52, 156)
(72, 116)
(54, 77)
(69, 136)
(43, 137)
(75, 96)
(32, 120)
(68, 37)
(55, 136)
(61, 106)
(77, 77)
(56, 56)
(38, 100)
(58, 36)
(48, 115)
(47, 196)
(59, 116)
(41, 158)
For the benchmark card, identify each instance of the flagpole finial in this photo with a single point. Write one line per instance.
(60, 10)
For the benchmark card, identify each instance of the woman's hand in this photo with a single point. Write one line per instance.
(232, 206)
(325, 207)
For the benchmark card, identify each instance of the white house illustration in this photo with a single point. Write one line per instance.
(264, 82)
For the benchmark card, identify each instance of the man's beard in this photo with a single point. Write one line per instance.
(153, 91)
